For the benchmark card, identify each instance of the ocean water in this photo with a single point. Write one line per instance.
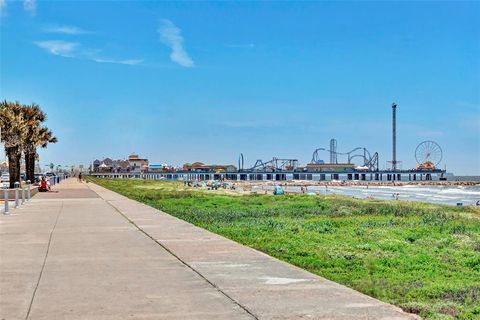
(464, 178)
(451, 195)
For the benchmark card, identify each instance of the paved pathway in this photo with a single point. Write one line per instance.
(89, 253)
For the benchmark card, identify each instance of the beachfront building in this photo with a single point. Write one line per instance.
(137, 164)
(108, 165)
(104, 165)
(160, 168)
(201, 167)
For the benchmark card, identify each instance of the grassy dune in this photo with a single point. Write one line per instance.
(424, 258)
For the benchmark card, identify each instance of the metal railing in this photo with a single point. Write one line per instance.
(23, 191)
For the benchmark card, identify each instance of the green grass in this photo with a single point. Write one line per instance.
(424, 258)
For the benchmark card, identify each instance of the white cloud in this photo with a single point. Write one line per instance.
(171, 36)
(3, 5)
(75, 50)
(30, 6)
(130, 62)
(66, 30)
(59, 48)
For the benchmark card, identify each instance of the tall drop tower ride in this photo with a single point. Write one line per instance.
(394, 137)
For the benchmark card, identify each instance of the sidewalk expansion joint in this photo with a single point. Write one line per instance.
(182, 261)
(44, 262)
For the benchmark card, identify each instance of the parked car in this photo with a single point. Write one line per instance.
(5, 180)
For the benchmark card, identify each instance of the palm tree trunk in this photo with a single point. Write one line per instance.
(30, 166)
(14, 156)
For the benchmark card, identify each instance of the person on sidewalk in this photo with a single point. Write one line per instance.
(80, 177)
(44, 187)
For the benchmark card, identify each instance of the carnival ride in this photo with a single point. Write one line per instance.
(428, 155)
(369, 161)
(276, 164)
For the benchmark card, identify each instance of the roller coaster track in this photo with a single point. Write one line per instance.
(368, 160)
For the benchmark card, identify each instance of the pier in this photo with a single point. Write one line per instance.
(407, 175)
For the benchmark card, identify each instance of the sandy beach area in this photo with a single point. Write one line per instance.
(446, 192)
(246, 187)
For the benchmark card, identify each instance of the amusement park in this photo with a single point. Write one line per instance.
(358, 163)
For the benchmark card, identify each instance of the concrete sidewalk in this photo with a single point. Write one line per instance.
(89, 253)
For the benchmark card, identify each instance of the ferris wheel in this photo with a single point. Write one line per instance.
(428, 152)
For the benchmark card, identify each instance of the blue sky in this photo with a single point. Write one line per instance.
(205, 81)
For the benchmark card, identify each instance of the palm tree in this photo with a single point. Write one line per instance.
(36, 136)
(33, 116)
(44, 137)
(13, 124)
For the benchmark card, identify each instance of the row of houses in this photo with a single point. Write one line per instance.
(133, 164)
